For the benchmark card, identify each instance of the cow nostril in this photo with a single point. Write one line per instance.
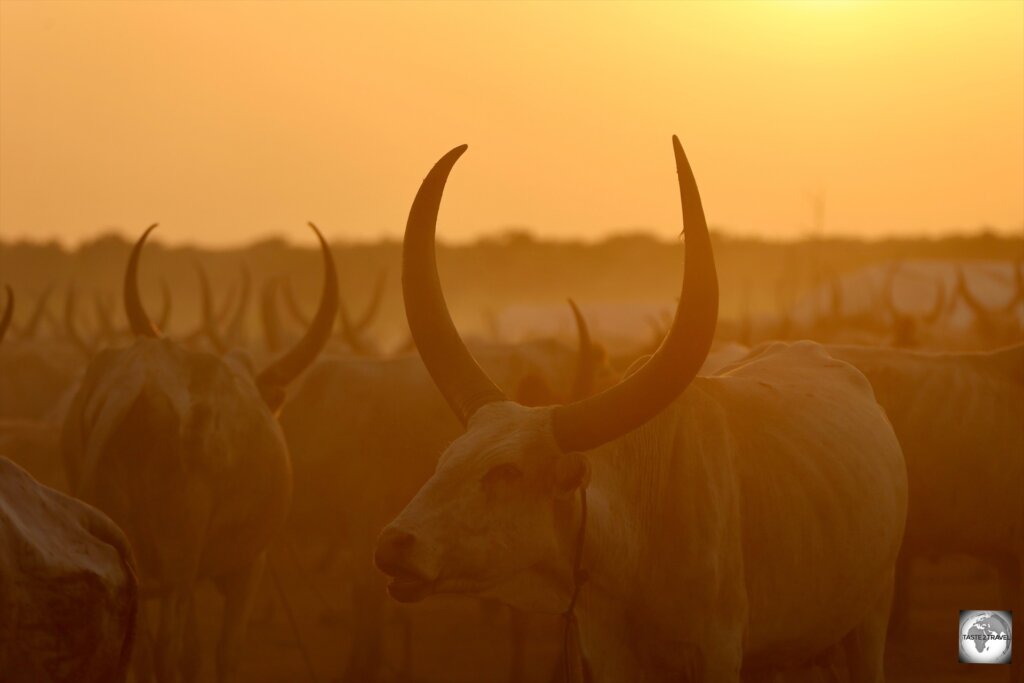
(403, 539)
(392, 555)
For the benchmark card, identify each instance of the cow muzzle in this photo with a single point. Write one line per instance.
(396, 556)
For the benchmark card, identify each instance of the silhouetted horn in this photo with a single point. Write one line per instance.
(1018, 289)
(352, 331)
(268, 315)
(890, 284)
(273, 380)
(373, 307)
(836, 298)
(461, 381)
(5, 321)
(291, 303)
(981, 309)
(237, 322)
(165, 311)
(139, 322)
(206, 305)
(595, 420)
(622, 408)
(586, 363)
(965, 293)
(222, 314)
(71, 328)
(1018, 271)
(30, 328)
(105, 319)
(940, 303)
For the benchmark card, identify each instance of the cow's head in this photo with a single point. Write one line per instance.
(197, 409)
(995, 324)
(907, 326)
(273, 380)
(498, 507)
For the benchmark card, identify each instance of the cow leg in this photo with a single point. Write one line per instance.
(239, 591)
(1010, 576)
(902, 602)
(720, 660)
(170, 634)
(1011, 595)
(367, 618)
(518, 623)
(142, 657)
(721, 669)
(191, 652)
(865, 645)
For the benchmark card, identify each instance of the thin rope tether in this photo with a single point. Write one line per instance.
(291, 619)
(579, 577)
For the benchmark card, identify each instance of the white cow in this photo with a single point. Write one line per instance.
(182, 449)
(749, 523)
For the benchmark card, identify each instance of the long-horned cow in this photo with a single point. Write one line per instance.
(183, 450)
(958, 419)
(744, 521)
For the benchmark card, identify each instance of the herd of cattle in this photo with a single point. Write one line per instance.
(726, 506)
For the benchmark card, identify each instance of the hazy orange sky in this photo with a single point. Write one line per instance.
(228, 122)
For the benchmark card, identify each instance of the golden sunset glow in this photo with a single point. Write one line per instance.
(232, 121)
(536, 341)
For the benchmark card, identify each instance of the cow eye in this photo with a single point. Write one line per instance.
(505, 472)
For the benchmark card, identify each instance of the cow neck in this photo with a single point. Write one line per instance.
(572, 657)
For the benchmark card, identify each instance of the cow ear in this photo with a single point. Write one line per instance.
(572, 471)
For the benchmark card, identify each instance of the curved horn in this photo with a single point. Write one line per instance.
(1018, 289)
(583, 382)
(70, 328)
(836, 299)
(238, 319)
(965, 293)
(350, 332)
(373, 306)
(140, 323)
(618, 410)
(1018, 272)
(206, 304)
(165, 309)
(221, 315)
(273, 380)
(5, 322)
(463, 383)
(940, 304)
(291, 303)
(104, 318)
(268, 315)
(29, 330)
(889, 287)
